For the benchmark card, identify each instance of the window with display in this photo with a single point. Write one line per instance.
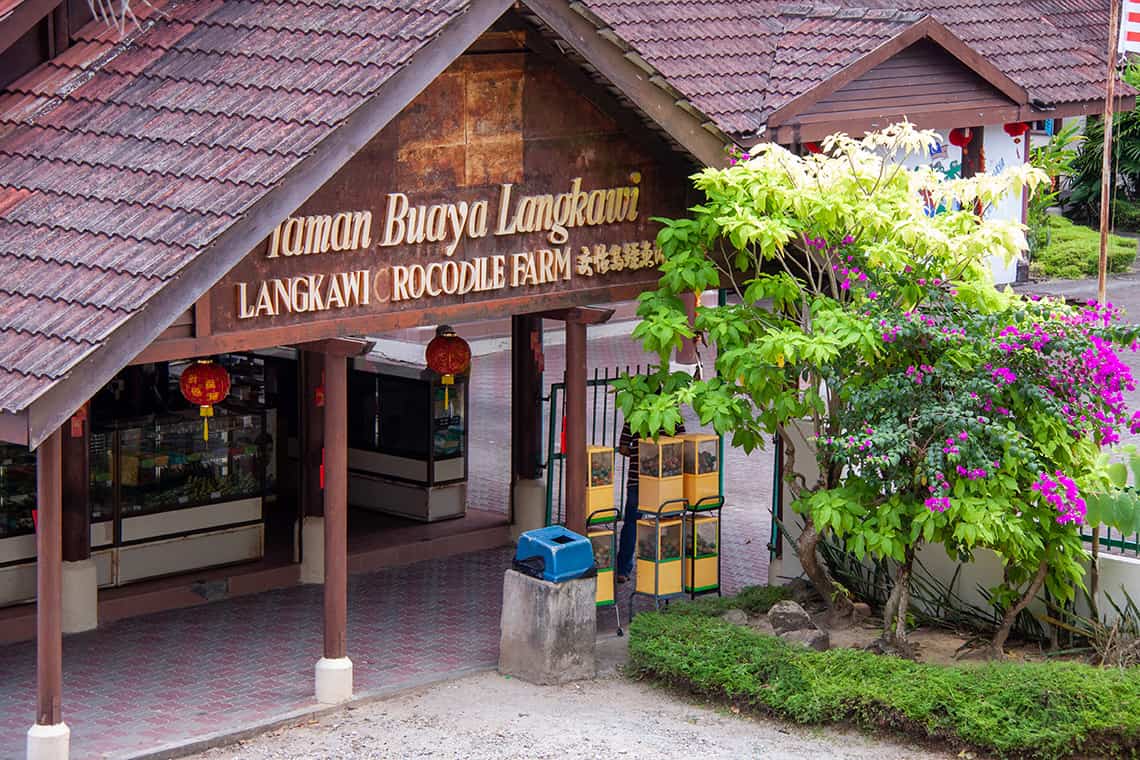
(17, 490)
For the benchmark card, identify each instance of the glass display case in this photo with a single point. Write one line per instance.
(600, 474)
(702, 466)
(660, 464)
(17, 493)
(407, 441)
(659, 543)
(165, 464)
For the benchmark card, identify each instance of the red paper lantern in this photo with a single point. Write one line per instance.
(447, 355)
(205, 383)
(1016, 129)
(813, 147)
(961, 136)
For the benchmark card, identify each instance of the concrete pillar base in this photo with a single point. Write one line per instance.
(530, 507)
(80, 596)
(49, 742)
(548, 631)
(313, 550)
(688, 369)
(334, 680)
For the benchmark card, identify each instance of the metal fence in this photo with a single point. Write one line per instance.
(602, 429)
(1114, 542)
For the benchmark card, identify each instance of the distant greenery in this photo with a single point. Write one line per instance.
(1085, 187)
(1027, 710)
(1072, 251)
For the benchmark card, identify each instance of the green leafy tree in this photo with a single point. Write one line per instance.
(810, 245)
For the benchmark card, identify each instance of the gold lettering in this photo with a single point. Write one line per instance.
(450, 277)
(435, 228)
(416, 225)
(382, 285)
(417, 281)
(281, 296)
(400, 283)
(291, 237)
(635, 178)
(457, 220)
(274, 243)
(335, 297)
(264, 305)
(504, 211)
(498, 267)
(434, 268)
(562, 263)
(545, 265)
(596, 211)
(477, 221)
(244, 312)
(317, 230)
(394, 225)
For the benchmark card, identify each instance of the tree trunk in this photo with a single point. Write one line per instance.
(837, 600)
(903, 582)
(1094, 573)
(894, 614)
(1010, 616)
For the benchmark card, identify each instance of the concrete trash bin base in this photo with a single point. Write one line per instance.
(547, 630)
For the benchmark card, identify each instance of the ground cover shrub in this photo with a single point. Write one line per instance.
(1073, 251)
(1015, 710)
(755, 600)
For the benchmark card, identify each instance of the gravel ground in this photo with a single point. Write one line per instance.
(489, 716)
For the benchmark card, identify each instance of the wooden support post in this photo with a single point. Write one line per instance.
(576, 426)
(336, 505)
(528, 492)
(76, 487)
(526, 396)
(49, 587)
(311, 385)
(334, 669)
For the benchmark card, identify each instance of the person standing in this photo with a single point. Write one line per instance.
(627, 447)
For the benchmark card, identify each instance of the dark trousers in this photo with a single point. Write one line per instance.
(628, 540)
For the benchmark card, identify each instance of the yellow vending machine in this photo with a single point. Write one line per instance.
(601, 529)
(702, 546)
(600, 485)
(660, 469)
(702, 466)
(660, 541)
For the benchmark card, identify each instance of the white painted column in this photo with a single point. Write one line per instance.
(313, 550)
(80, 596)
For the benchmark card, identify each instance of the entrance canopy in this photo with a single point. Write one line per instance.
(187, 188)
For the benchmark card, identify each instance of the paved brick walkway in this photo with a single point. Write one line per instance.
(146, 682)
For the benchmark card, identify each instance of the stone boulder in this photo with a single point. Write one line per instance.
(789, 616)
(813, 638)
(736, 617)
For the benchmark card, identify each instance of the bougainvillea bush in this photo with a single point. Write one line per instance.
(941, 410)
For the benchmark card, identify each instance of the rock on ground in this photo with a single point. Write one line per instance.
(788, 616)
(487, 716)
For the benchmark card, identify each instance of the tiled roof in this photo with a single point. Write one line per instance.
(783, 49)
(122, 160)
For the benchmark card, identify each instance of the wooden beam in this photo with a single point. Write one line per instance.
(202, 328)
(14, 428)
(336, 508)
(22, 18)
(373, 324)
(49, 583)
(631, 80)
(342, 347)
(54, 406)
(583, 315)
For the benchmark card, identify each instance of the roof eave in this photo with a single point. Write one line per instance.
(925, 28)
(46, 413)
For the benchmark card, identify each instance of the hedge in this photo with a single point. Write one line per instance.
(1014, 710)
(1073, 251)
